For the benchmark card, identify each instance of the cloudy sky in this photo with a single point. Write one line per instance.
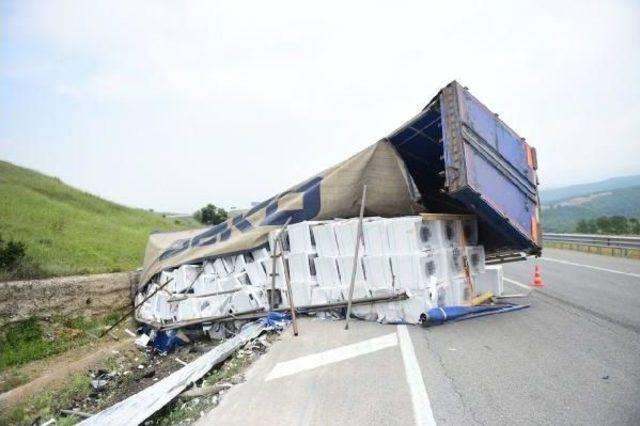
(170, 105)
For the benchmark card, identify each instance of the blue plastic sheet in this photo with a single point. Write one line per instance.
(456, 313)
(276, 320)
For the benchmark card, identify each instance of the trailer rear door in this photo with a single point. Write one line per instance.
(490, 169)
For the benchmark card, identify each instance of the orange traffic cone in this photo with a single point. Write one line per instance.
(537, 279)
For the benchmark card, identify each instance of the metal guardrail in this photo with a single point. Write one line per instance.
(610, 241)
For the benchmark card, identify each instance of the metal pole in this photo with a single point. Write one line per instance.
(274, 257)
(288, 283)
(259, 313)
(355, 256)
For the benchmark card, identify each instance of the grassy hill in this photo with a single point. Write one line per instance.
(562, 215)
(68, 231)
(558, 194)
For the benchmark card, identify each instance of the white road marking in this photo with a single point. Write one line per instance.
(309, 362)
(597, 268)
(519, 284)
(422, 413)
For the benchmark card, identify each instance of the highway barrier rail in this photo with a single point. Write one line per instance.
(605, 244)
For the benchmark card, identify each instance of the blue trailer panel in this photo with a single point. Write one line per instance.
(464, 159)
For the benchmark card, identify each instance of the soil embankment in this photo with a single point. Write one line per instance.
(83, 295)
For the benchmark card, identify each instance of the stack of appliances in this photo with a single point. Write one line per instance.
(434, 259)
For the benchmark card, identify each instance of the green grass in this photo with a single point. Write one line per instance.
(68, 231)
(47, 404)
(31, 340)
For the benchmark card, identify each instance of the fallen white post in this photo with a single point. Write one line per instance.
(137, 408)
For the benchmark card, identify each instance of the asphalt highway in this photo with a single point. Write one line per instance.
(572, 358)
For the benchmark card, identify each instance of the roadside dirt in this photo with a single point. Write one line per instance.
(124, 369)
(46, 374)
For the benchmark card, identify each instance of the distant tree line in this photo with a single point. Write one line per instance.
(610, 225)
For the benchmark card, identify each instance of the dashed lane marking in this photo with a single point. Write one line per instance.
(310, 362)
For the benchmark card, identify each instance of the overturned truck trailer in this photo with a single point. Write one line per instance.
(454, 157)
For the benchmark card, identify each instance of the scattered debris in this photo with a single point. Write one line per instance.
(101, 379)
(137, 408)
(76, 413)
(142, 341)
(205, 390)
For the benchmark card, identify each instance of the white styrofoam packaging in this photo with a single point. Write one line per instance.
(323, 295)
(301, 239)
(403, 234)
(165, 310)
(257, 273)
(411, 233)
(243, 278)
(260, 254)
(267, 266)
(301, 267)
(346, 233)
(301, 294)
(359, 292)
(377, 270)
(239, 263)
(248, 299)
(147, 309)
(449, 261)
(388, 312)
(166, 276)
(214, 306)
(272, 240)
(280, 278)
(365, 312)
(490, 280)
(185, 276)
(327, 271)
(325, 238)
(205, 284)
(416, 271)
(475, 259)
(418, 303)
(376, 239)
(188, 309)
(449, 293)
(345, 268)
(229, 283)
(456, 292)
(221, 267)
(208, 268)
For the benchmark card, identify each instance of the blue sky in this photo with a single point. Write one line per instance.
(169, 106)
